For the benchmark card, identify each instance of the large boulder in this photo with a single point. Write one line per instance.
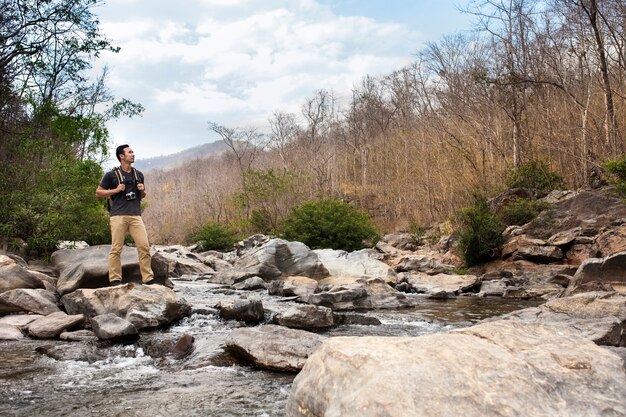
(145, 306)
(502, 369)
(611, 241)
(273, 347)
(607, 273)
(89, 267)
(176, 261)
(361, 263)
(348, 293)
(10, 332)
(14, 275)
(110, 326)
(305, 317)
(278, 258)
(451, 284)
(596, 316)
(52, 325)
(37, 301)
(248, 309)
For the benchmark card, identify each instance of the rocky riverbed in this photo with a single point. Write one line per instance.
(394, 330)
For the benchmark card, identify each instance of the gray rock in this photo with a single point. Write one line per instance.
(89, 268)
(355, 294)
(247, 309)
(183, 347)
(83, 352)
(596, 316)
(83, 335)
(490, 370)
(493, 288)
(361, 263)
(19, 320)
(145, 306)
(609, 271)
(36, 301)
(52, 325)
(424, 264)
(299, 286)
(251, 284)
(539, 254)
(14, 276)
(273, 347)
(357, 319)
(446, 283)
(109, 326)
(305, 317)
(10, 332)
(278, 258)
(177, 261)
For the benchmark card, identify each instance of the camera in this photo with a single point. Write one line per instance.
(130, 196)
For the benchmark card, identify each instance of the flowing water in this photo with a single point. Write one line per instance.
(96, 379)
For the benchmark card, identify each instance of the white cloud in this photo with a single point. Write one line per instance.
(241, 60)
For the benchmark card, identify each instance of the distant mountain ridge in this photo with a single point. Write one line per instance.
(176, 159)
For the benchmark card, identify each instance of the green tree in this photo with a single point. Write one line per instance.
(480, 232)
(534, 174)
(215, 236)
(329, 223)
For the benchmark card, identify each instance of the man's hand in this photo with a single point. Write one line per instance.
(140, 186)
(120, 188)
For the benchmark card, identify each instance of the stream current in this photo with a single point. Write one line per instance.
(138, 379)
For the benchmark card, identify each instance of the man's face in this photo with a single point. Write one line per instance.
(128, 155)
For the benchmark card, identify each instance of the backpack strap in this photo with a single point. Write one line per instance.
(120, 180)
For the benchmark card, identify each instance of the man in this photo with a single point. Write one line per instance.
(124, 187)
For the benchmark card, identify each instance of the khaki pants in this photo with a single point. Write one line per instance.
(120, 226)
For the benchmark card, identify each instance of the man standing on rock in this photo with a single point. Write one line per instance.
(124, 187)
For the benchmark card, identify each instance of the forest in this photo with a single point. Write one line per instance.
(531, 81)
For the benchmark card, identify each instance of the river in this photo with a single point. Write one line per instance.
(138, 379)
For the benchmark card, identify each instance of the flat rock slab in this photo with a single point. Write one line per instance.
(145, 306)
(361, 263)
(28, 300)
(595, 316)
(52, 325)
(19, 320)
(441, 283)
(502, 369)
(109, 326)
(305, 317)
(273, 347)
(10, 332)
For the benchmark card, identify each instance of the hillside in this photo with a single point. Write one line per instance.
(177, 159)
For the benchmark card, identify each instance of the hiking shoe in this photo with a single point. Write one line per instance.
(150, 282)
(115, 283)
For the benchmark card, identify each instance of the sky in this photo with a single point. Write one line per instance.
(237, 62)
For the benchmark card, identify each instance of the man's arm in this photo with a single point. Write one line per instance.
(103, 193)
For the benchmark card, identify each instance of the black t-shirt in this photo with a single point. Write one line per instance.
(123, 203)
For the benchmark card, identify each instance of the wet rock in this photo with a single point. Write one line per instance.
(305, 317)
(183, 347)
(83, 335)
(109, 326)
(145, 306)
(251, 284)
(14, 276)
(595, 316)
(10, 332)
(493, 288)
(52, 325)
(362, 263)
(446, 283)
(89, 268)
(298, 286)
(356, 319)
(83, 352)
(609, 272)
(528, 370)
(36, 301)
(273, 347)
(248, 309)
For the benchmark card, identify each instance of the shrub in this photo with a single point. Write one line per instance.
(534, 174)
(329, 223)
(521, 211)
(617, 168)
(215, 236)
(480, 232)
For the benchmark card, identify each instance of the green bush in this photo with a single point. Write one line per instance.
(617, 168)
(329, 223)
(480, 232)
(521, 211)
(535, 174)
(215, 236)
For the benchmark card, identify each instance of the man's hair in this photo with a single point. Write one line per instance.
(120, 151)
